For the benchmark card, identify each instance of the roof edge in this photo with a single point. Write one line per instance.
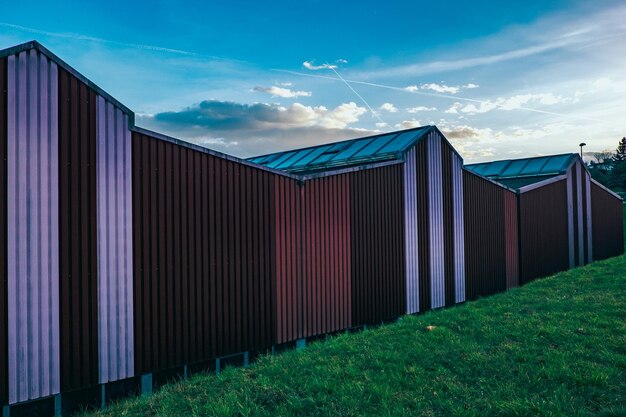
(605, 188)
(27, 46)
(540, 184)
(513, 190)
(208, 151)
(354, 168)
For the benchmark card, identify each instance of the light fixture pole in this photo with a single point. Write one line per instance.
(581, 149)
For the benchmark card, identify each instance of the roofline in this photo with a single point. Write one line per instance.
(607, 189)
(447, 141)
(208, 151)
(27, 46)
(543, 183)
(340, 141)
(354, 168)
(534, 157)
(513, 190)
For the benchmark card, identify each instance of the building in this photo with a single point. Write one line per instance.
(130, 257)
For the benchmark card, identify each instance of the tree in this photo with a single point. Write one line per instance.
(620, 152)
(618, 173)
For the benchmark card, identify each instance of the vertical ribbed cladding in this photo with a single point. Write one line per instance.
(3, 232)
(202, 255)
(580, 214)
(544, 231)
(588, 217)
(447, 187)
(423, 226)
(570, 220)
(411, 233)
(78, 233)
(377, 245)
(32, 227)
(511, 240)
(607, 220)
(459, 228)
(436, 222)
(114, 216)
(485, 236)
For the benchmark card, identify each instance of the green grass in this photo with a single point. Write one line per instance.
(555, 347)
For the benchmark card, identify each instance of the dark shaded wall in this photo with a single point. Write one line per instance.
(607, 213)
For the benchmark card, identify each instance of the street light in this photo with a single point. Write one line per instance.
(581, 149)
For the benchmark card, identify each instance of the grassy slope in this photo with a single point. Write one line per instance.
(554, 347)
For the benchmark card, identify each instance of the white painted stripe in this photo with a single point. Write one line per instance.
(579, 202)
(410, 226)
(114, 201)
(570, 219)
(435, 206)
(589, 217)
(32, 215)
(459, 229)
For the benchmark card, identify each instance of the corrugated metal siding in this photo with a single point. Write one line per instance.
(436, 223)
(511, 238)
(485, 236)
(203, 255)
(3, 233)
(544, 231)
(447, 194)
(589, 218)
(411, 233)
(459, 228)
(78, 233)
(423, 227)
(377, 245)
(313, 284)
(32, 213)
(607, 219)
(115, 271)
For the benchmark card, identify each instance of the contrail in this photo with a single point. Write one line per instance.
(355, 92)
(447, 96)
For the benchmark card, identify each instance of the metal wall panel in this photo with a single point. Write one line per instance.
(459, 228)
(543, 231)
(423, 228)
(486, 236)
(607, 220)
(77, 233)
(377, 245)
(32, 233)
(580, 215)
(3, 232)
(589, 218)
(436, 222)
(203, 255)
(312, 257)
(511, 240)
(411, 232)
(114, 216)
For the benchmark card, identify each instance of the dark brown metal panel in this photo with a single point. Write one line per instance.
(3, 233)
(378, 291)
(423, 227)
(486, 218)
(78, 228)
(448, 218)
(510, 238)
(202, 249)
(543, 231)
(575, 198)
(607, 224)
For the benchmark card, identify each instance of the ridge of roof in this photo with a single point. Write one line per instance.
(499, 168)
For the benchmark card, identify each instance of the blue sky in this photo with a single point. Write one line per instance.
(500, 79)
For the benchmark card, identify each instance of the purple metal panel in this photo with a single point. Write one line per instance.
(579, 212)
(410, 230)
(114, 205)
(3, 233)
(589, 217)
(435, 207)
(33, 274)
(570, 220)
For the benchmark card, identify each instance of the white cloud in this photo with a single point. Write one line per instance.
(420, 109)
(412, 88)
(511, 103)
(454, 109)
(440, 88)
(282, 92)
(310, 66)
(389, 107)
(380, 125)
(470, 86)
(408, 124)
(342, 61)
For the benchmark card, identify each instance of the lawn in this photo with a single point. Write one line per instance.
(555, 347)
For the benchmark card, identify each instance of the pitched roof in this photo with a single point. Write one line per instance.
(383, 147)
(527, 167)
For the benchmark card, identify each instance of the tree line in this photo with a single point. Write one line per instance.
(609, 167)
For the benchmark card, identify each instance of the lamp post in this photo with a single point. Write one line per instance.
(581, 149)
